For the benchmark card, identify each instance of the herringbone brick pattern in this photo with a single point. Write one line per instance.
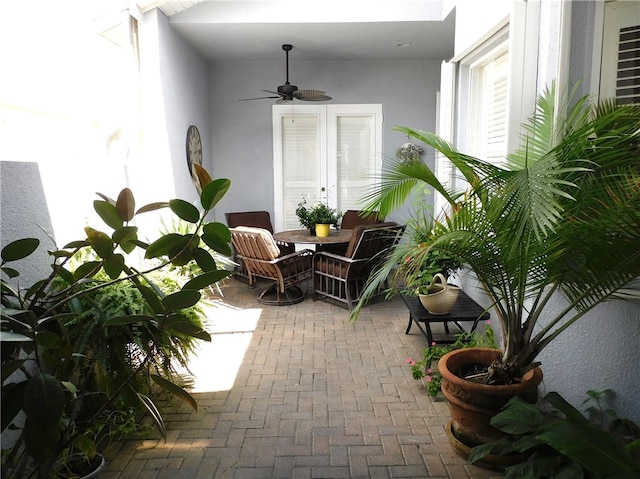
(314, 397)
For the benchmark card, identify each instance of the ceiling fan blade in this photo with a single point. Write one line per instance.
(259, 98)
(311, 95)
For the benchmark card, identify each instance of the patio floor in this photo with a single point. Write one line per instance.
(313, 397)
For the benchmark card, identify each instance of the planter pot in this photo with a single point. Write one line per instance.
(86, 468)
(441, 296)
(490, 461)
(472, 405)
(322, 230)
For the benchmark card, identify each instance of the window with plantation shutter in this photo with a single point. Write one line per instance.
(620, 72)
(324, 152)
(489, 107)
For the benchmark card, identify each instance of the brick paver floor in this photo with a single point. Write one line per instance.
(314, 397)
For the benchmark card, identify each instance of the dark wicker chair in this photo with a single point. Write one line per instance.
(350, 220)
(353, 218)
(261, 256)
(256, 219)
(342, 278)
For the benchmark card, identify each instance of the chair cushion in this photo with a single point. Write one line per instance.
(357, 233)
(256, 219)
(270, 243)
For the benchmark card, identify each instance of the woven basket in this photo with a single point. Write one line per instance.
(441, 297)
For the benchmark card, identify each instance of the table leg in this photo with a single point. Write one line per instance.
(410, 323)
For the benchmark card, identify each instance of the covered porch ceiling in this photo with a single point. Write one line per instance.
(329, 30)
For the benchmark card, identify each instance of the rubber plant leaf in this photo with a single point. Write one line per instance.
(19, 249)
(206, 279)
(100, 242)
(217, 243)
(152, 207)
(219, 229)
(87, 270)
(181, 299)
(152, 299)
(124, 234)
(204, 260)
(185, 210)
(44, 400)
(163, 245)
(126, 204)
(108, 213)
(189, 329)
(203, 176)
(213, 192)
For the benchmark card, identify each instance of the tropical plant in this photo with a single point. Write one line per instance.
(561, 216)
(424, 368)
(419, 262)
(51, 396)
(562, 442)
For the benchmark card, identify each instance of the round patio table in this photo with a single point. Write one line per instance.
(304, 237)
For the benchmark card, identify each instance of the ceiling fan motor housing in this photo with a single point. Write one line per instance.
(287, 89)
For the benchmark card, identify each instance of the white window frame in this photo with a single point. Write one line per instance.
(612, 16)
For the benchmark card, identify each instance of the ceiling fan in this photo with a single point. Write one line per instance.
(288, 92)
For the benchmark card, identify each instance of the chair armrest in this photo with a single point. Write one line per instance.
(334, 256)
(304, 252)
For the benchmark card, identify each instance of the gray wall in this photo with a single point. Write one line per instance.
(241, 132)
(25, 215)
(175, 94)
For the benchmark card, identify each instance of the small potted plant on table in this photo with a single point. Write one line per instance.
(318, 218)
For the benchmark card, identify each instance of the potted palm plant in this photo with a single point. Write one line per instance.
(559, 217)
(58, 387)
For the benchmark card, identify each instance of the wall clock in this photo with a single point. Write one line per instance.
(194, 152)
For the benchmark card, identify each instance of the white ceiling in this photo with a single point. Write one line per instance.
(319, 30)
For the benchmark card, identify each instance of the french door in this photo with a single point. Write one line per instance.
(330, 153)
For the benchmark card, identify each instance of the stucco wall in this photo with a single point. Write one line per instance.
(175, 94)
(25, 215)
(242, 130)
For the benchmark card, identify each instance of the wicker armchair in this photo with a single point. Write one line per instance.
(342, 278)
(350, 220)
(261, 256)
(256, 219)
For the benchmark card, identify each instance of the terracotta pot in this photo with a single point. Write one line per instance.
(472, 405)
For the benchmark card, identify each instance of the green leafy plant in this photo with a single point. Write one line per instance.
(424, 368)
(562, 442)
(319, 213)
(47, 377)
(560, 218)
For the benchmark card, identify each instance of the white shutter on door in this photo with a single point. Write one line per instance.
(300, 157)
(355, 149)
